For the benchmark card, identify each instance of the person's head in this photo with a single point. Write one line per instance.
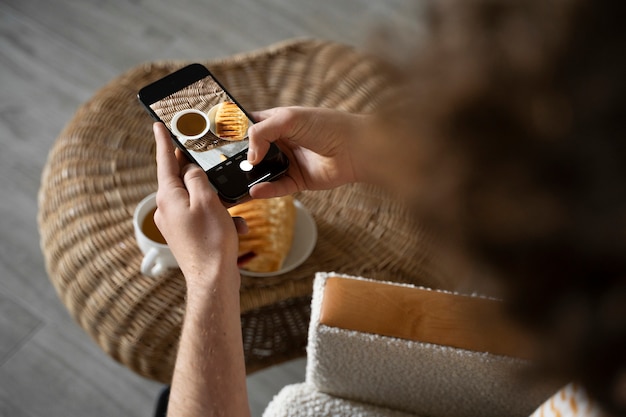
(508, 134)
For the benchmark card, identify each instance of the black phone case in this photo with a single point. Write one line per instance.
(231, 182)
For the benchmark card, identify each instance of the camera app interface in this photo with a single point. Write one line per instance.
(206, 121)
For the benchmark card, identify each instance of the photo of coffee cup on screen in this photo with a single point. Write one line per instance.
(206, 121)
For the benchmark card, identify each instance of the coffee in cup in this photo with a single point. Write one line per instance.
(158, 257)
(150, 229)
(190, 124)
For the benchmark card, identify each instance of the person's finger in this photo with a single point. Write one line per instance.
(270, 128)
(257, 146)
(197, 184)
(182, 158)
(281, 187)
(241, 225)
(168, 169)
(259, 116)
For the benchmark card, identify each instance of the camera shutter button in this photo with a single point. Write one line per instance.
(245, 166)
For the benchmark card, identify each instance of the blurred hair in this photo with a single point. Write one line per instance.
(512, 141)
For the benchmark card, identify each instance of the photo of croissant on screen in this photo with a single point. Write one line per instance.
(206, 121)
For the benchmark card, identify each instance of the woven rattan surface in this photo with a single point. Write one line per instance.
(102, 165)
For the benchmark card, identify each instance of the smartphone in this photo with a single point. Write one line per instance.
(211, 128)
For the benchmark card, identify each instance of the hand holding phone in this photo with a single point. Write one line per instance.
(322, 144)
(211, 128)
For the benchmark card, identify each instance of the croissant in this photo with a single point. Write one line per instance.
(271, 224)
(230, 122)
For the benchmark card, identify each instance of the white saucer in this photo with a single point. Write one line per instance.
(304, 239)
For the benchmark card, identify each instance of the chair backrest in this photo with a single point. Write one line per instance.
(425, 352)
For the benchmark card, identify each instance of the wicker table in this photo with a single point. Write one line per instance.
(103, 164)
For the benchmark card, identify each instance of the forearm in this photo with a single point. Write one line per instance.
(209, 375)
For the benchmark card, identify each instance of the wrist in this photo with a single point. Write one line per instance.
(206, 280)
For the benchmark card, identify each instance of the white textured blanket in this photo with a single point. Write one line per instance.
(411, 377)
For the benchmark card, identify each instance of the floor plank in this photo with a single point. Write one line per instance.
(17, 325)
(51, 382)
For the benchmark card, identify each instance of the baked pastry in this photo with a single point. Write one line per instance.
(271, 224)
(230, 122)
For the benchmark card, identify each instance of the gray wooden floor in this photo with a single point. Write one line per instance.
(54, 54)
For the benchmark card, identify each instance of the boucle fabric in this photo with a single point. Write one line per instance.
(304, 400)
(414, 377)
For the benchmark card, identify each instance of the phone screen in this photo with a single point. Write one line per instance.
(212, 129)
(206, 121)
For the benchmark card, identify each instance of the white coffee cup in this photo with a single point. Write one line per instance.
(190, 124)
(158, 257)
